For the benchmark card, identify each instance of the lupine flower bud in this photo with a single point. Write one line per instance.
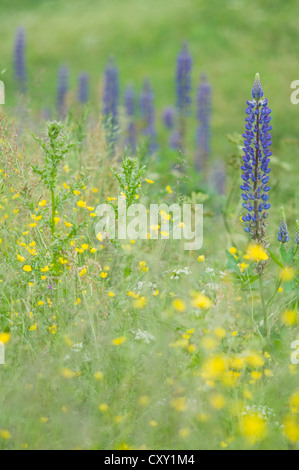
(204, 118)
(19, 60)
(129, 99)
(183, 86)
(255, 166)
(62, 90)
(83, 88)
(148, 115)
(297, 233)
(283, 234)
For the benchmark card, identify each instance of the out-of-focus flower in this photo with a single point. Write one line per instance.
(168, 117)
(111, 92)
(183, 87)
(203, 138)
(19, 60)
(148, 115)
(83, 88)
(129, 100)
(62, 90)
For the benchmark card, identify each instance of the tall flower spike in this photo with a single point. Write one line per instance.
(19, 60)
(111, 92)
(255, 166)
(168, 117)
(204, 118)
(218, 177)
(129, 99)
(62, 90)
(148, 115)
(83, 88)
(183, 87)
(297, 233)
(283, 234)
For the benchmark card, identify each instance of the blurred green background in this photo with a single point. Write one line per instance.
(230, 40)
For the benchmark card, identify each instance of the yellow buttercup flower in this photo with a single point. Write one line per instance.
(289, 317)
(256, 253)
(83, 272)
(5, 434)
(99, 375)
(254, 428)
(201, 301)
(27, 269)
(288, 274)
(179, 305)
(68, 373)
(119, 341)
(4, 338)
(291, 429)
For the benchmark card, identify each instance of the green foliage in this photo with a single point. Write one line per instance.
(55, 148)
(129, 179)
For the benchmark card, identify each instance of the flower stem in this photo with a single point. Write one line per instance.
(53, 213)
(264, 306)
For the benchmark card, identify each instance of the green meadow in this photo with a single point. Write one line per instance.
(141, 344)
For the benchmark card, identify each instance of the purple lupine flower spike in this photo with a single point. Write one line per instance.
(283, 233)
(218, 177)
(297, 233)
(255, 166)
(19, 60)
(204, 109)
(111, 92)
(183, 87)
(129, 101)
(168, 117)
(62, 90)
(175, 141)
(83, 88)
(148, 115)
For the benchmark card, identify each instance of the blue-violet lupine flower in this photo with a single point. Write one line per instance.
(83, 88)
(183, 86)
(204, 109)
(218, 177)
(19, 59)
(148, 115)
(111, 92)
(62, 90)
(297, 233)
(129, 99)
(256, 161)
(175, 141)
(283, 233)
(168, 117)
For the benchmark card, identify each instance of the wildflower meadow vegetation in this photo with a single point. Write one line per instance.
(133, 344)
